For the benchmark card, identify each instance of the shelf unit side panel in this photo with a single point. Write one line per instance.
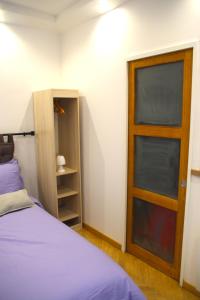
(45, 142)
(79, 162)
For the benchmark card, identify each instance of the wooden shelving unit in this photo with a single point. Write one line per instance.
(59, 134)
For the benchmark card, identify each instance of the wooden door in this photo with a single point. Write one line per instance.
(159, 121)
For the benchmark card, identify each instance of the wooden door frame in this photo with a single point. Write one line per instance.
(195, 45)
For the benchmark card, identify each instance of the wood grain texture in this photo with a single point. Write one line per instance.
(181, 133)
(154, 284)
(155, 198)
(62, 93)
(187, 85)
(195, 172)
(44, 135)
(59, 133)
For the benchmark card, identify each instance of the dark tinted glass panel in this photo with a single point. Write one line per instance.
(157, 165)
(159, 92)
(154, 229)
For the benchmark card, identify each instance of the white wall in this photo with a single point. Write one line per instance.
(29, 60)
(94, 61)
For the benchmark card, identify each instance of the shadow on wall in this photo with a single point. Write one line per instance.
(25, 152)
(93, 171)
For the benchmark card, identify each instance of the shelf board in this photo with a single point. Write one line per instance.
(195, 172)
(65, 214)
(66, 172)
(65, 192)
(76, 227)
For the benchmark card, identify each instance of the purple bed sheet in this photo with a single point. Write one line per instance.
(43, 259)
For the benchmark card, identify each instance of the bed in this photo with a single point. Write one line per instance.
(43, 259)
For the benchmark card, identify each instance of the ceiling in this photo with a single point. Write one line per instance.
(58, 15)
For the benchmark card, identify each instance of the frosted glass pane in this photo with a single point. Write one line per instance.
(159, 92)
(157, 165)
(154, 229)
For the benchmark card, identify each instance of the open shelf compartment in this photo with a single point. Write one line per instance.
(68, 208)
(68, 185)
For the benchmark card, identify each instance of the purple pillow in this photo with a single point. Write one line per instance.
(10, 178)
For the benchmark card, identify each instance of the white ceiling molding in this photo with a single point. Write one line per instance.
(56, 15)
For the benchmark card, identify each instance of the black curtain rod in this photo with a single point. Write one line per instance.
(20, 133)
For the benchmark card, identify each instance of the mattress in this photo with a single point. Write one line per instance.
(43, 259)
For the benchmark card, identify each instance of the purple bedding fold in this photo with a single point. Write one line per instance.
(42, 259)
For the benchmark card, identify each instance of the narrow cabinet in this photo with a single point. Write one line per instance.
(56, 114)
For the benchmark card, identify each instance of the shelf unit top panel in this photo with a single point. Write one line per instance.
(59, 93)
(64, 93)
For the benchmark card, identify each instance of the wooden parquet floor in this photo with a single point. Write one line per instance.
(154, 284)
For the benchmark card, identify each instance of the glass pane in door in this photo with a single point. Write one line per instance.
(154, 229)
(159, 92)
(157, 165)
